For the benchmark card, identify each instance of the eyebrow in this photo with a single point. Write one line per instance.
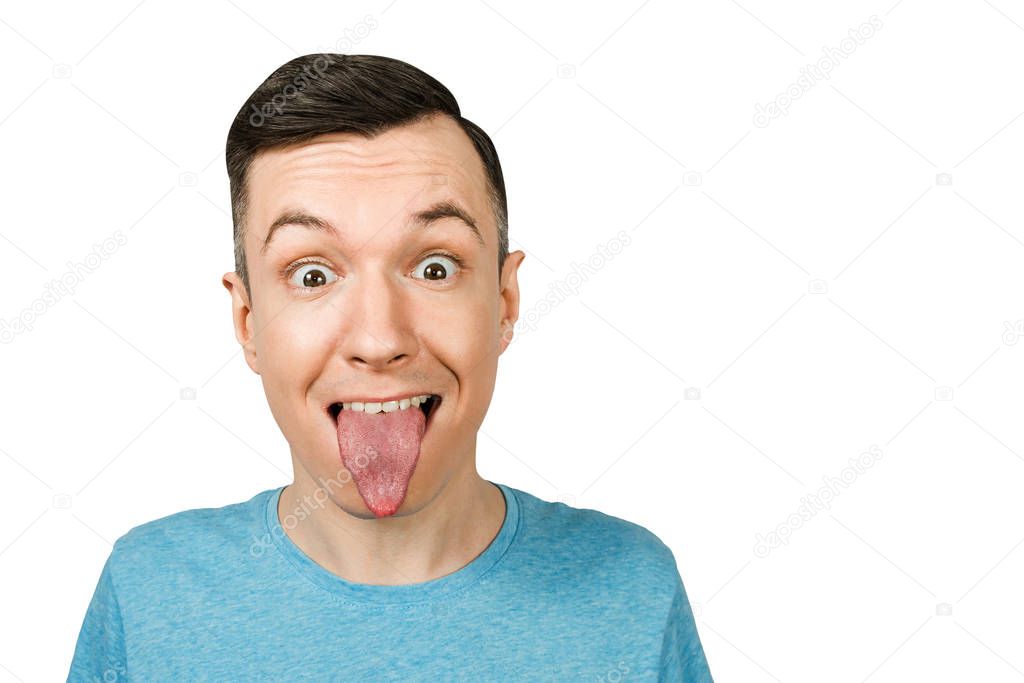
(421, 219)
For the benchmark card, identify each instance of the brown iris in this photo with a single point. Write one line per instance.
(435, 271)
(314, 278)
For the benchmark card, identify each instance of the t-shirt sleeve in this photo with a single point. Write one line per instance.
(682, 655)
(99, 653)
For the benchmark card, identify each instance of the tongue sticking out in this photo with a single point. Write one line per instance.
(381, 451)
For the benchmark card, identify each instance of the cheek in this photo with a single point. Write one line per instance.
(289, 350)
(464, 333)
(465, 338)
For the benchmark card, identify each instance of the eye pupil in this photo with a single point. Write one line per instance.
(314, 278)
(435, 271)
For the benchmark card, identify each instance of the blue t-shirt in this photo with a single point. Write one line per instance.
(223, 594)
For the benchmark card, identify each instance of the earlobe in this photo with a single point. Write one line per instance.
(509, 295)
(242, 318)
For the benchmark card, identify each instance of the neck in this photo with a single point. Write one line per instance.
(443, 536)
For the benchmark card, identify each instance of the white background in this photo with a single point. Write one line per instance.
(813, 279)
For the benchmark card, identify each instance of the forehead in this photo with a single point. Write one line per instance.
(432, 158)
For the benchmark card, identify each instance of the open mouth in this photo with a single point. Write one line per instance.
(425, 402)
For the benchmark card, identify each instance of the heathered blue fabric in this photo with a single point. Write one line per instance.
(222, 594)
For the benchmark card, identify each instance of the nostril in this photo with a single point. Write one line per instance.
(377, 361)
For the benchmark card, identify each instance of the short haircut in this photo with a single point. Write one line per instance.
(322, 93)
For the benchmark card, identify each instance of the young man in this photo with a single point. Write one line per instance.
(373, 292)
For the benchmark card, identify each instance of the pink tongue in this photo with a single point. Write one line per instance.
(381, 450)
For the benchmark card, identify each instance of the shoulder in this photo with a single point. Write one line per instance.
(189, 535)
(600, 547)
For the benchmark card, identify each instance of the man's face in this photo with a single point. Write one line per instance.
(381, 308)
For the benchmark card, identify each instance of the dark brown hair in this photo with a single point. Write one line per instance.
(324, 93)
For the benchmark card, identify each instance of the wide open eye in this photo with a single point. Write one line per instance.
(312, 275)
(436, 267)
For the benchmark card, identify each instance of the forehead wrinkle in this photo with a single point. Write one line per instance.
(329, 167)
(422, 141)
(315, 167)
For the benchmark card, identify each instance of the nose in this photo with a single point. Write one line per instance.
(377, 328)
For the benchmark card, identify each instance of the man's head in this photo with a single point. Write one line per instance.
(371, 262)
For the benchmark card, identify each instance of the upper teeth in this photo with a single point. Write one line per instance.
(387, 406)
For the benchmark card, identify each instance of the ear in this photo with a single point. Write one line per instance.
(508, 286)
(242, 317)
